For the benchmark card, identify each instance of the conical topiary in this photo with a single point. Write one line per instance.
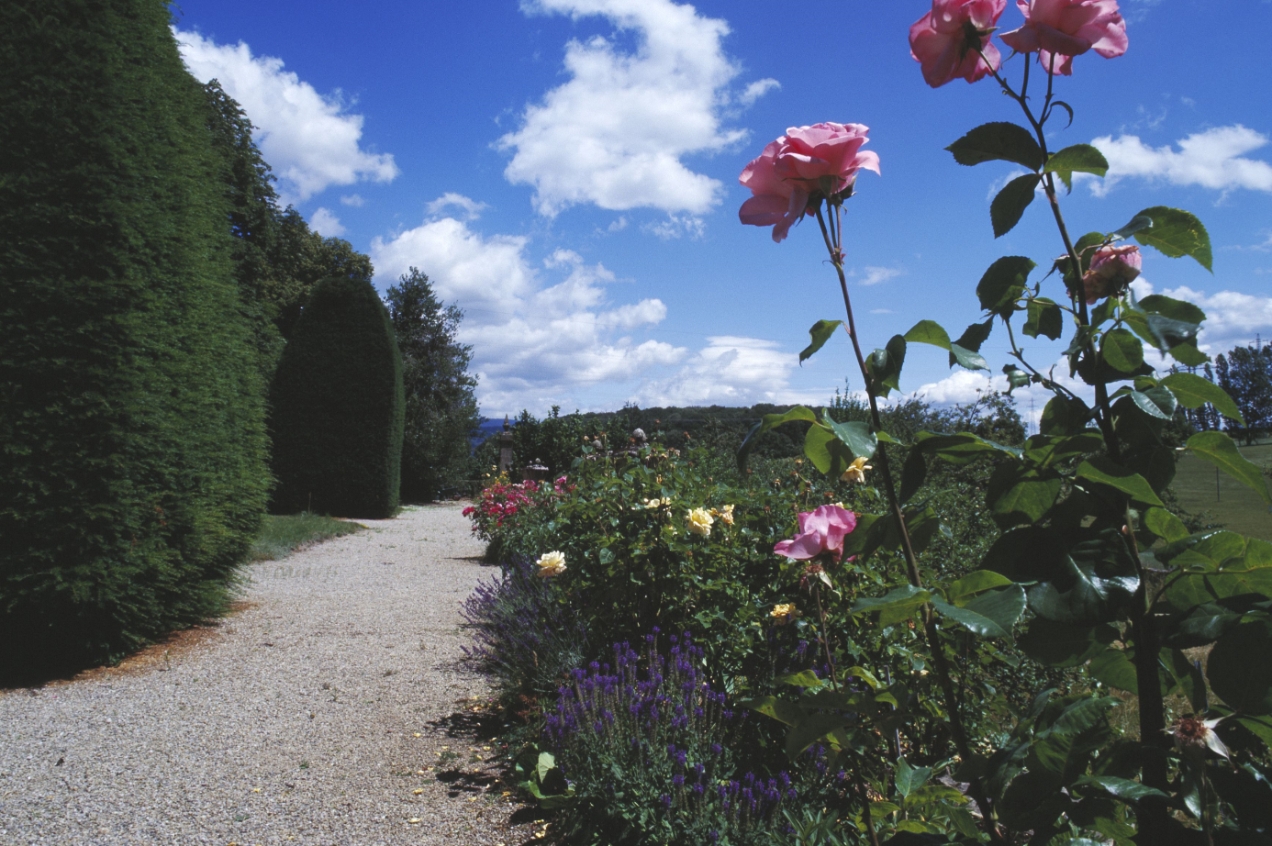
(337, 407)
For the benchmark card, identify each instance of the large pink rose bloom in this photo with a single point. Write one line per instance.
(1062, 29)
(821, 531)
(807, 163)
(945, 40)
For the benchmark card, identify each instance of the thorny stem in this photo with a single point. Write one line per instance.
(957, 730)
(1154, 814)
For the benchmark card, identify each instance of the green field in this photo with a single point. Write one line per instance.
(1226, 501)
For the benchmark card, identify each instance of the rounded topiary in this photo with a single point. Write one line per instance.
(133, 473)
(337, 407)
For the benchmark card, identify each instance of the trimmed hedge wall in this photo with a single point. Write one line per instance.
(133, 470)
(337, 407)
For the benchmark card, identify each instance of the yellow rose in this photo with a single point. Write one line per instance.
(725, 514)
(856, 472)
(551, 564)
(784, 612)
(700, 521)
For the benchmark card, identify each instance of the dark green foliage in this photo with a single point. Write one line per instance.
(133, 475)
(441, 408)
(338, 407)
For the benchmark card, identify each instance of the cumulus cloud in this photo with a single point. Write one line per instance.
(540, 336)
(310, 140)
(469, 208)
(1212, 159)
(677, 226)
(875, 275)
(1232, 318)
(730, 370)
(326, 224)
(616, 132)
(354, 200)
(758, 89)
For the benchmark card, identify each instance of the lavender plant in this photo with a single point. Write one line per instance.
(647, 746)
(524, 637)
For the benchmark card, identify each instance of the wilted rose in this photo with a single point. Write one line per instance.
(725, 513)
(856, 472)
(1058, 30)
(1111, 270)
(784, 612)
(802, 167)
(949, 41)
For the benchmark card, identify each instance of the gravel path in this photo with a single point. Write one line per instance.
(329, 710)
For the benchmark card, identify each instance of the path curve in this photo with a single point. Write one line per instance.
(311, 716)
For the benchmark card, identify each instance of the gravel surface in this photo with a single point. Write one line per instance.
(330, 709)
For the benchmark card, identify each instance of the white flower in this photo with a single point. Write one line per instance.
(700, 521)
(551, 564)
(1193, 736)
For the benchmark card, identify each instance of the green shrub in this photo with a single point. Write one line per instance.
(131, 409)
(337, 407)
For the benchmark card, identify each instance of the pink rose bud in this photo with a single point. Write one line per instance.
(1112, 269)
(801, 168)
(1058, 30)
(945, 42)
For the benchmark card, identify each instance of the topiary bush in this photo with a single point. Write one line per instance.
(337, 407)
(133, 473)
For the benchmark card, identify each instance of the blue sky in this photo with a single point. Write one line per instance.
(566, 172)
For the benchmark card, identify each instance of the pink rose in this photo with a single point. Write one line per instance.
(806, 164)
(822, 531)
(1061, 29)
(945, 40)
(1112, 269)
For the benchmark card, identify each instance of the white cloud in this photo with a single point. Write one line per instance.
(326, 224)
(1232, 318)
(471, 208)
(882, 311)
(354, 200)
(616, 132)
(758, 89)
(1211, 159)
(310, 140)
(729, 371)
(677, 226)
(536, 341)
(875, 275)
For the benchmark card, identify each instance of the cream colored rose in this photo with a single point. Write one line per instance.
(700, 521)
(784, 612)
(551, 564)
(657, 503)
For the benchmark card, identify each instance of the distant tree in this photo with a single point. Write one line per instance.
(1246, 374)
(278, 259)
(337, 408)
(441, 406)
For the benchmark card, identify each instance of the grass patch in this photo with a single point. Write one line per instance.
(282, 535)
(1226, 500)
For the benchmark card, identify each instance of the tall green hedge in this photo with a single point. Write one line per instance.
(133, 470)
(337, 406)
